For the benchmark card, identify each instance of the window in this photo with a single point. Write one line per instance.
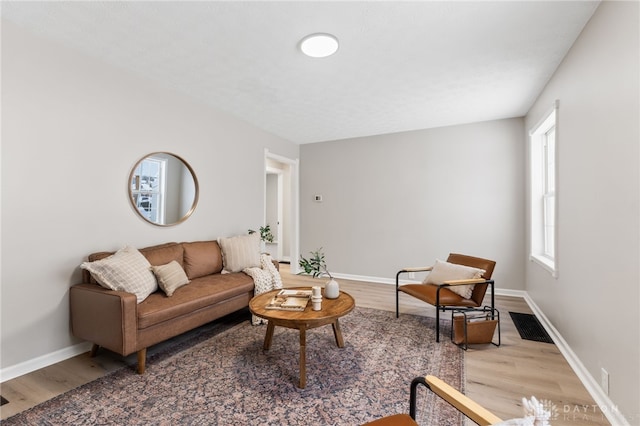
(147, 188)
(543, 192)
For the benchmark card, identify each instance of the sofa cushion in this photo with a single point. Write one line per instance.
(163, 253)
(200, 293)
(170, 277)
(202, 258)
(125, 270)
(240, 252)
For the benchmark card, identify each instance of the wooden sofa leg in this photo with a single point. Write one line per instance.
(94, 350)
(142, 360)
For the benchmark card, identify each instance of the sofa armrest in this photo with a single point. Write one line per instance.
(104, 317)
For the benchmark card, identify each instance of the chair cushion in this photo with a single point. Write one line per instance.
(427, 293)
(444, 271)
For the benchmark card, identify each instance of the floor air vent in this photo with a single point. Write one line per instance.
(530, 328)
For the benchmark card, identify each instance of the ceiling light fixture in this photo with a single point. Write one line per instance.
(319, 45)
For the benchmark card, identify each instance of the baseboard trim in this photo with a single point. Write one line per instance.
(510, 292)
(377, 280)
(603, 401)
(42, 361)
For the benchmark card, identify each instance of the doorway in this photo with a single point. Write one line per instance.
(281, 208)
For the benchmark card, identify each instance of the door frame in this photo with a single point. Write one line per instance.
(279, 206)
(294, 203)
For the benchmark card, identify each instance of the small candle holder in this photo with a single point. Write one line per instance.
(316, 298)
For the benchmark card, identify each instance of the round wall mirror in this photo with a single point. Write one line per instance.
(163, 189)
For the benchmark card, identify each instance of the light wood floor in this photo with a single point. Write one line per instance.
(496, 377)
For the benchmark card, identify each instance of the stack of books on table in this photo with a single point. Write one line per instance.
(290, 300)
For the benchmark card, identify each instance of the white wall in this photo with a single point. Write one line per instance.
(594, 303)
(405, 199)
(72, 128)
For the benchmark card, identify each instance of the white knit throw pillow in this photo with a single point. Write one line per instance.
(265, 279)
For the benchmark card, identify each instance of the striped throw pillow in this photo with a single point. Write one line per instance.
(170, 277)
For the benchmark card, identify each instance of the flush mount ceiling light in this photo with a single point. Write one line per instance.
(319, 45)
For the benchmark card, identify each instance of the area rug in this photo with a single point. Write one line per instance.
(224, 377)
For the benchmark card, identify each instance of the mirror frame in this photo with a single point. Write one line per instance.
(196, 196)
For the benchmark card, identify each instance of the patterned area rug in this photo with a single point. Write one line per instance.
(223, 377)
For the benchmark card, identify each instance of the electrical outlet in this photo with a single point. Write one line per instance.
(412, 275)
(604, 380)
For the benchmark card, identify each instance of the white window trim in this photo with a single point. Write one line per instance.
(550, 265)
(536, 245)
(160, 192)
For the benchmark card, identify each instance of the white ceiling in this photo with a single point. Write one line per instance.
(401, 65)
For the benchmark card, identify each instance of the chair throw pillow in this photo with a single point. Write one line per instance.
(240, 252)
(445, 271)
(125, 270)
(170, 277)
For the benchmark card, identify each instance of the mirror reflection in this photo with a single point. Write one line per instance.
(163, 189)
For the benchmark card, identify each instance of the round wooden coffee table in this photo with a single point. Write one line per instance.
(332, 309)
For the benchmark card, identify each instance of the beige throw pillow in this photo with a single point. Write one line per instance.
(125, 270)
(240, 252)
(170, 277)
(445, 271)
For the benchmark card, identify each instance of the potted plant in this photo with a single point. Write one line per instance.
(316, 265)
(265, 233)
(265, 236)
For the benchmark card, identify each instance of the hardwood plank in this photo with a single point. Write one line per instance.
(496, 377)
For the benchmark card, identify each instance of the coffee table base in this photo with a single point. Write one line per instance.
(268, 338)
(302, 321)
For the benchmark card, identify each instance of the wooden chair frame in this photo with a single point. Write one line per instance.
(459, 401)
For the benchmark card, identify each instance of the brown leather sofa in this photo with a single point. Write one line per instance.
(113, 319)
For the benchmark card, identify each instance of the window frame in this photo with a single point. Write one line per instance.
(543, 174)
(155, 194)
